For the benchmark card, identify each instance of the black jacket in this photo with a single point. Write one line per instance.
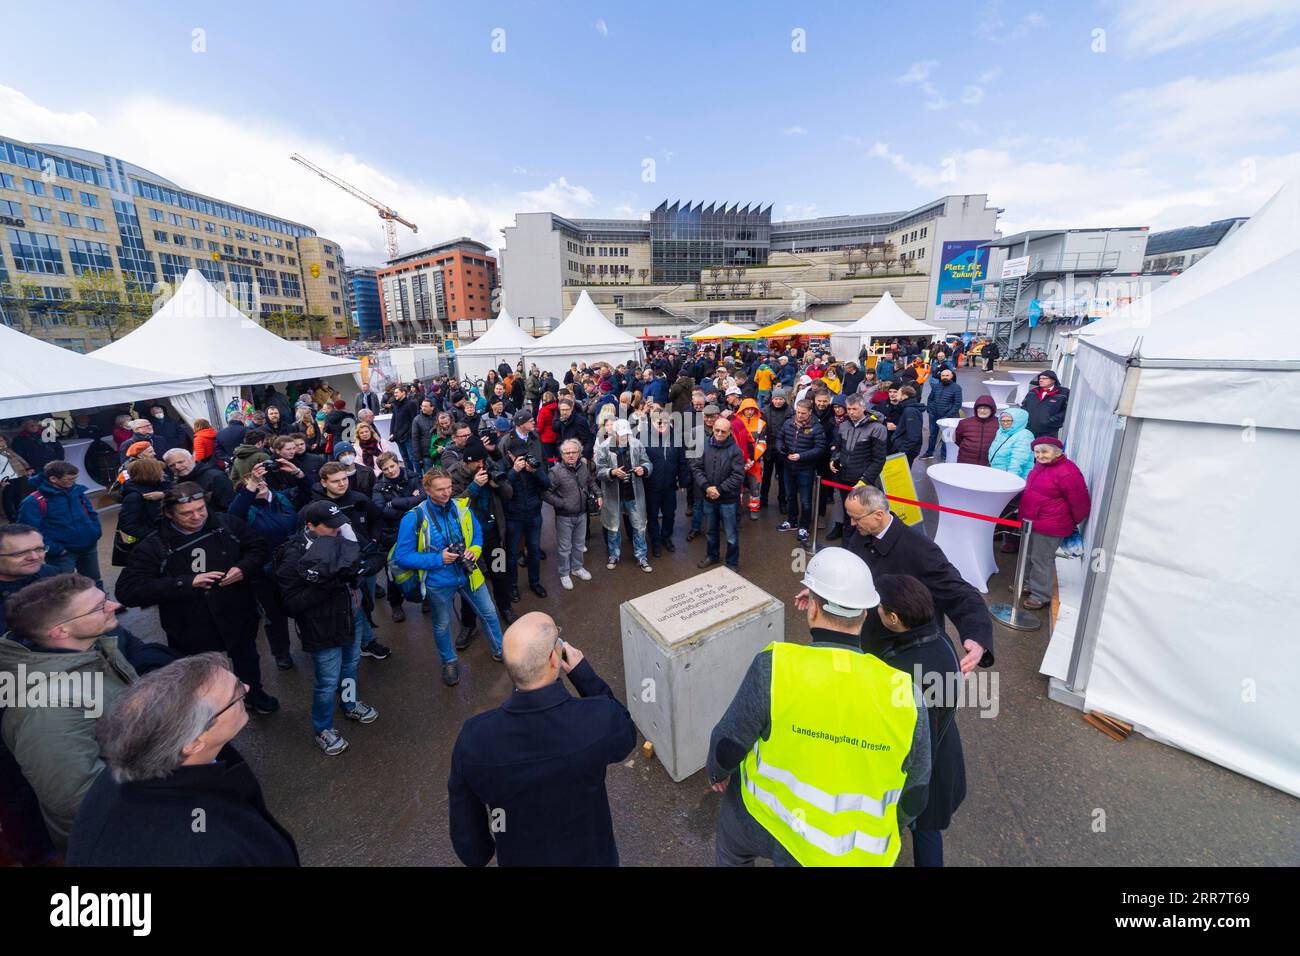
(404, 413)
(909, 435)
(423, 427)
(577, 427)
(161, 567)
(230, 438)
(807, 441)
(526, 502)
(215, 484)
(361, 512)
(394, 497)
(1046, 415)
(670, 468)
(539, 759)
(139, 516)
(940, 674)
(863, 448)
(776, 419)
(724, 468)
(905, 550)
(317, 586)
(152, 822)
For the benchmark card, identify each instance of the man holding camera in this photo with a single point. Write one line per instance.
(620, 464)
(521, 449)
(440, 540)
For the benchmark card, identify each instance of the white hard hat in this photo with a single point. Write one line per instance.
(842, 580)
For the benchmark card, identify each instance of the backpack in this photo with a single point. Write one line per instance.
(44, 504)
(408, 581)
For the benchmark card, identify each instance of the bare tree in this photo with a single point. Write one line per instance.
(642, 274)
(889, 256)
(765, 287)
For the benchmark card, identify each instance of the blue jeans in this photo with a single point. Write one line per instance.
(615, 538)
(363, 617)
(798, 499)
(336, 667)
(481, 600)
(408, 453)
(927, 847)
(727, 514)
(529, 531)
(83, 562)
(763, 399)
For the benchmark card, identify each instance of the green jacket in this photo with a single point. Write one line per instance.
(52, 735)
(246, 456)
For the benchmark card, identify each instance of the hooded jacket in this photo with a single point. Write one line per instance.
(1046, 409)
(546, 416)
(488, 502)
(359, 509)
(945, 399)
(394, 497)
(215, 483)
(246, 456)
(974, 435)
(570, 487)
(1012, 449)
(908, 434)
(863, 446)
(679, 395)
(606, 459)
(67, 521)
(1056, 498)
(776, 419)
(205, 443)
(756, 429)
(423, 428)
(317, 580)
(139, 515)
(55, 745)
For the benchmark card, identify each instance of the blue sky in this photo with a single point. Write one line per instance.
(1178, 112)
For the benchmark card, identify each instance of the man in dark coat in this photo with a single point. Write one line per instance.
(945, 402)
(719, 474)
(198, 568)
(142, 810)
(891, 547)
(1046, 405)
(213, 480)
(231, 437)
(405, 409)
(570, 422)
(527, 779)
(669, 471)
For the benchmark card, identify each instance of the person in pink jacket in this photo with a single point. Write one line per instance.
(1056, 500)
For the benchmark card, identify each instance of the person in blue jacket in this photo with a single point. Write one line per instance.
(60, 511)
(1012, 448)
(944, 402)
(270, 515)
(441, 541)
(909, 431)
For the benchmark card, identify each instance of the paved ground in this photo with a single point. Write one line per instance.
(1037, 773)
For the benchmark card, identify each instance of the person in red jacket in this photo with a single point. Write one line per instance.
(974, 435)
(1056, 500)
(546, 426)
(205, 439)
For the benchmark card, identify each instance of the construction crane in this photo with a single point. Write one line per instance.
(389, 215)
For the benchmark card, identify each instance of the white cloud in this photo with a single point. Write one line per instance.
(918, 72)
(795, 131)
(800, 210)
(602, 28)
(972, 95)
(519, 170)
(993, 25)
(193, 148)
(988, 76)
(1158, 26)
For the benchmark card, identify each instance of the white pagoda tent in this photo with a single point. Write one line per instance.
(585, 335)
(1192, 408)
(721, 330)
(504, 341)
(197, 333)
(37, 378)
(885, 320)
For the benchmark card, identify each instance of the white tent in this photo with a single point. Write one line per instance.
(719, 330)
(504, 341)
(884, 320)
(584, 335)
(197, 333)
(37, 378)
(1188, 433)
(812, 327)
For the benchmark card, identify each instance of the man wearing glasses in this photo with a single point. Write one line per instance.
(141, 812)
(198, 567)
(527, 779)
(59, 639)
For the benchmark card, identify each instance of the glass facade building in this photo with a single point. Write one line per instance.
(685, 239)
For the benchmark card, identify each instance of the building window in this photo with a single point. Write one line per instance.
(174, 218)
(156, 215)
(196, 243)
(70, 219)
(178, 239)
(228, 249)
(10, 208)
(333, 279)
(34, 187)
(89, 257)
(42, 214)
(7, 181)
(920, 253)
(193, 223)
(618, 318)
(209, 227)
(36, 252)
(90, 199)
(62, 193)
(213, 246)
(159, 236)
(337, 310)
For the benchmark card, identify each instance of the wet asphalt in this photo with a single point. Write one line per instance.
(1037, 775)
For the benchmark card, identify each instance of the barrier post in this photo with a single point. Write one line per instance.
(1013, 615)
(816, 504)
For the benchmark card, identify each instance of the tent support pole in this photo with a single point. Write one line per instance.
(1110, 519)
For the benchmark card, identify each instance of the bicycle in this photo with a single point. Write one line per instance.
(1027, 353)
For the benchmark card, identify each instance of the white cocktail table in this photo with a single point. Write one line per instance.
(968, 542)
(1001, 391)
(384, 425)
(1024, 380)
(970, 406)
(947, 430)
(75, 452)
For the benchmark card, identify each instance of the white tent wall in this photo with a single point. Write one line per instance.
(1195, 633)
(475, 365)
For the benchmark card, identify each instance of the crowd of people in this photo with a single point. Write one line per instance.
(300, 510)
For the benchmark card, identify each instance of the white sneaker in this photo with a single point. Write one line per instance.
(582, 574)
(566, 582)
(611, 564)
(645, 566)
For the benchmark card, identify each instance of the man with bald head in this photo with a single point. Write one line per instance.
(527, 779)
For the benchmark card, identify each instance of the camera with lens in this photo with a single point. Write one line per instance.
(839, 460)
(532, 461)
(458, 548)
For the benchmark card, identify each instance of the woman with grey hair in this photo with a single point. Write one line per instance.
(177, 793)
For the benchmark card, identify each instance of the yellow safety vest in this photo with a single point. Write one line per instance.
(401, 575)
(826, 784)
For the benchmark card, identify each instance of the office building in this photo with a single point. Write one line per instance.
(80, 229)
(1174, 250)
(432, 293)
(363, 303)
(693, 263)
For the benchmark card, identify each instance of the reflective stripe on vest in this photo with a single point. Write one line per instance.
(827, 782)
